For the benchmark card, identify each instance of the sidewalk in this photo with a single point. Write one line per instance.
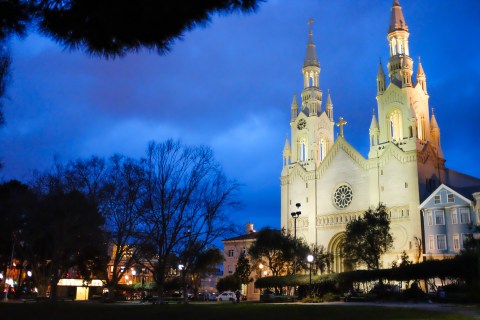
(466, 310)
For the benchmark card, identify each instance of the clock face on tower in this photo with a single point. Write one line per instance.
(301, 124)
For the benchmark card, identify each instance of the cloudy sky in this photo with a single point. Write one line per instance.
(230, 85)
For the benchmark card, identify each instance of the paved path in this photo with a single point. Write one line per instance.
(467, 310)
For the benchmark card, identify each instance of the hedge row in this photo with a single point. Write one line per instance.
(461, 267)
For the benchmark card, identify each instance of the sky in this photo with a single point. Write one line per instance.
(230, 85)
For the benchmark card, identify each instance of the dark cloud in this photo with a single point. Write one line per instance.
(230, 86)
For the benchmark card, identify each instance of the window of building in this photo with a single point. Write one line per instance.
(322, 149)
(454, 216)
(439, 217)
(464, 215)
(303, 149)
(230, 253)
(230, 269)
(431, 243)
(450, 198)
(466, 237)
(421, 127)
(430, 218)
(437, 199)
(441, 242)
(395, 126)
(456, 242)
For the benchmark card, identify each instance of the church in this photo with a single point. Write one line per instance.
(326, 182)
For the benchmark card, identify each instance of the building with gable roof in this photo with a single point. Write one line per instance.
(449, 217)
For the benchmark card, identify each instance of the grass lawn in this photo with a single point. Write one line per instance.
(225, 311)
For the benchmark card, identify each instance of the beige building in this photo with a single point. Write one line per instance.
(334, 183)
(232, 248)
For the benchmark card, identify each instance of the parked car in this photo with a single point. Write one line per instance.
(267, 296)
(207, 296)
(227, 296)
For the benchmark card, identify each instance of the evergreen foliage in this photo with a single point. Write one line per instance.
(368, 238)
(243, 269)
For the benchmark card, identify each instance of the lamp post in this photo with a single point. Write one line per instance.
(260, 266)
(295, 216)
(134, 274)
(186, 261)
(310, 260)
(9, 281)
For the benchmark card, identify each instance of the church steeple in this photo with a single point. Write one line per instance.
(421, 77)
(381, 82)
(294, 108)
(311, 56)
(329, 107)
(397, 21)
(311, 94)
(435, 134)
(400, 65)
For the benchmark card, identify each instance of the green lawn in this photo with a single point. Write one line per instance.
(225, 311)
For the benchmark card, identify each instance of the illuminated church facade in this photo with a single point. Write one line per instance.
(334, 183)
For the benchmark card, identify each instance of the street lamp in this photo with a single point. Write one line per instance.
(183, 281)
(134, 275)
(260, 266)
(295, 216)
(310, 260)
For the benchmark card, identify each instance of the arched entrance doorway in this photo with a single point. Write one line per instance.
(335, 247)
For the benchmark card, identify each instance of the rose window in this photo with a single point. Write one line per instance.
(343, 196)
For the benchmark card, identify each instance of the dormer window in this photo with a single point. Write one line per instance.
(450, 198)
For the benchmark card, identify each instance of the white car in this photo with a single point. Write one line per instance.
(227, 296)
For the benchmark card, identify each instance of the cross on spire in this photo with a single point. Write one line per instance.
(340, 124)
(310, 23)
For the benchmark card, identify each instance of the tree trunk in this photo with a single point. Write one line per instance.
(53, 286)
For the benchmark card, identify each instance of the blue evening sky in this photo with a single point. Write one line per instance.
(230, 85)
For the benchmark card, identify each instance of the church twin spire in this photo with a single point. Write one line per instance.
(400, 64)
(312, 133)
(400, 122)
(311, 94)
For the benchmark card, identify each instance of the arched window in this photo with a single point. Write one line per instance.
(395, 125)
(322, 149)
(303, 149)
(394, 46)
(421, 127)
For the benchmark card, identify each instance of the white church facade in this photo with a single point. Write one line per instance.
(334, 183)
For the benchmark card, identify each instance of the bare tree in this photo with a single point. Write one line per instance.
(187, 194)
(122, 207)
(117, 187)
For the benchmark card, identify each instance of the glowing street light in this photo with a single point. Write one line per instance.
(295, 216)
(310, 260)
